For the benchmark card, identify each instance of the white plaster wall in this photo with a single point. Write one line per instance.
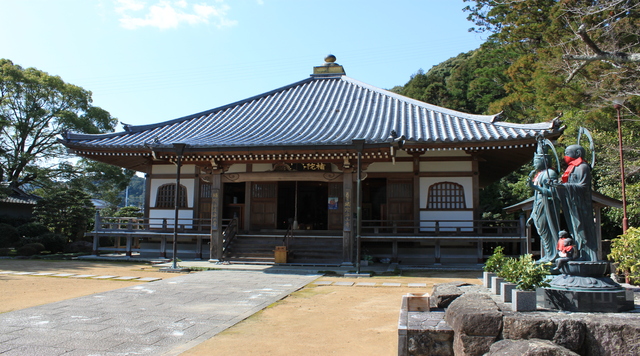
(444, 166)
(465, 182)
(189, 183)
(446, 153)
(390, 167)
(237, 168)
(261, 167)
(171, 169)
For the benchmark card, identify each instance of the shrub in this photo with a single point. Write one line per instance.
(53, 243)
(79, 247)
(66, 212)
(625, 252)
(129, 212)
(32, 229)
(30, 249)
(8, 236)
(510, 270)
(530, 275)
(5, 251)
(496, 261)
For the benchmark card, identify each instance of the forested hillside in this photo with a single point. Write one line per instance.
(543, 59)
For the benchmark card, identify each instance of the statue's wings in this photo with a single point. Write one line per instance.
(592, 148)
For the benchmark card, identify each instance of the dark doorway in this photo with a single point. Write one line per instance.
(374, 199)
(312, 204)
(233, 202)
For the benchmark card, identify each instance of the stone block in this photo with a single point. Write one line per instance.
(531, 347)
(466, 345)
(523, 300)
(570, 333)
(486, 279)
(528, 326)
(417, 302)
(505, 291)
(587, 301)
(423, 333)
(495, 284)
(475, 315)
(443, 294)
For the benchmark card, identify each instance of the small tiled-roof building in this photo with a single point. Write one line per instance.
(292, 153)
(17, 204)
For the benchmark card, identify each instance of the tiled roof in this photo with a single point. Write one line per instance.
(318, 111)
(18, 196)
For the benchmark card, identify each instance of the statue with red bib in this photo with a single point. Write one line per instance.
(574, 192)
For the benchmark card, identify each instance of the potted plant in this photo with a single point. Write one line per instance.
(531, 275)
(493, 265)
(625, 253)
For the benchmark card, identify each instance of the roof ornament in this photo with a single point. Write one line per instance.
(396, 144)
(329, 68)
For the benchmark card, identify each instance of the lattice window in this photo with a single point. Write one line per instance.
(446, 196)
(205, 190)
(166, 196)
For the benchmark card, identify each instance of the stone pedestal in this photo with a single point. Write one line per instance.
(496, 282)
(486, 278)
(584, 287)
(505, 291)
(523, 300)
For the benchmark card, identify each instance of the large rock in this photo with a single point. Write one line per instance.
(476, 321)
(530, 347)
(565, 332)
(445, 293)
(612, 335)
(570, 333)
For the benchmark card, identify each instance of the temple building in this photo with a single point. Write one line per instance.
(281, 169)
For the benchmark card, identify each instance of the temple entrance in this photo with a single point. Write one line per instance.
(312, 203)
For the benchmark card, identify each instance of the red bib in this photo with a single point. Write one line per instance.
(573, 164)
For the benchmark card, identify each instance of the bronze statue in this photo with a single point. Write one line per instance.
(545, 212)
(574, 192)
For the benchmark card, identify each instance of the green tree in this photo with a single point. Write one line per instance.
(66, 212)
(36, 108)
(573, 57)
(102, 181)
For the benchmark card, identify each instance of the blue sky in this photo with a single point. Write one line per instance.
(147, 61)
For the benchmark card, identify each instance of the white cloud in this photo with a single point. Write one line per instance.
(167, 14)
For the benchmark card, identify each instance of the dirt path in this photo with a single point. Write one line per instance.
(317, 320)
(327, 320)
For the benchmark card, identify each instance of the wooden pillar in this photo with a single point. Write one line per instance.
(163, 247)
(128, 249)
(479, 251)
(437, 252)
(347, 216)
(215, 247)
(416, 192)
(394, 251)
(147, 193)
(97, 225)
(246, 219)
(199, 247)
(477, 214)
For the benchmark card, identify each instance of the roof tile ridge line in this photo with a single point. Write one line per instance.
(70, 135)
(433, 107)
(139, 128)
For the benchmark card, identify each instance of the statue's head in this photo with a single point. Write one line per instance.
(541, 159)
(575, 151)
(563, 234)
